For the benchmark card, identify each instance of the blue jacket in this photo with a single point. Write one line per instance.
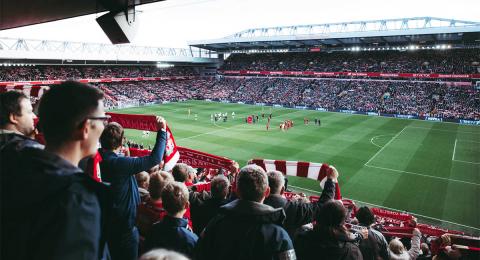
(119, 172)
(172, 233)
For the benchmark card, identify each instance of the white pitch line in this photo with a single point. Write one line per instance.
(469, 141)
(466, 162)
(423, 175)
(442, 130)
(381, 149)
(371, 140)
(454, 148)
(226, 128)
(399, 210)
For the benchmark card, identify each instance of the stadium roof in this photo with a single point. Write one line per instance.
(28, 12)
(64, 52)
(392, 32)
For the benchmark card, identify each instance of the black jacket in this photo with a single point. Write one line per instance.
(300, 213)
(246, 230)
(50, 208)
(315, 245)
(203, 208)
(7, 137)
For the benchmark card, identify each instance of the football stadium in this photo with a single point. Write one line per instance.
(343, 139)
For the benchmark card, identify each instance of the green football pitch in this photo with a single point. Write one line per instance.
(430, 169)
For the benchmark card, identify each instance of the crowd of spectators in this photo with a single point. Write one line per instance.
(51, 72)
(421, 61)
(393, 97)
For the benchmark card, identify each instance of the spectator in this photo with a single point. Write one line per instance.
(171, 232)
(376, 244)
(152, 210)
(298, 213)
(425, 252)
(202, 212)
(143, 180)
(329, 238)
(16, 118)
(55, 210)
(119, 171)
(162, 254)
(180, 172)
(398, 252)
(246, 228)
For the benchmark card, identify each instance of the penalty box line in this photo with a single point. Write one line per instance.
(455, 148)
(407, 172)
(387, 144)
(423, 175)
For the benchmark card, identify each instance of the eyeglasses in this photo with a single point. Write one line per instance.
(104, 119)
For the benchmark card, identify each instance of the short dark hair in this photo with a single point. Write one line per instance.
(365, 216)
(112, 136)
(332, 214)
(174, 197)
(10, 104)
(219, 186)
(276, 181)
(180, 172)
(64, 107)
(252, 182)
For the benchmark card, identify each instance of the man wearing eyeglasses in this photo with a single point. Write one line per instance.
(50, 208)
(119, 172)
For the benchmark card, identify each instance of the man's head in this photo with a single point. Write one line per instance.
(332, 214)
(192, 174)
(112, 136)
(180, 172)
(72, 112)
(252, 183)
(365, 216)
(175, 198)
(276, 181)
(425, 249)
(16, 113)
(396, 246)
(220, 186)
(143, 178)
(158, 181)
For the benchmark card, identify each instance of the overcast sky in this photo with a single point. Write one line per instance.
(174, 22)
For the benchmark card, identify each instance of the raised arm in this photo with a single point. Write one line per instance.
(144, 163)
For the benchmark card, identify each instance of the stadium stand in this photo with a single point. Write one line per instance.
(48, 72)
(461, 61)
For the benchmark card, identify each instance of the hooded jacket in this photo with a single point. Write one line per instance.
(313, 244)
(50, 209)
(246, 230)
